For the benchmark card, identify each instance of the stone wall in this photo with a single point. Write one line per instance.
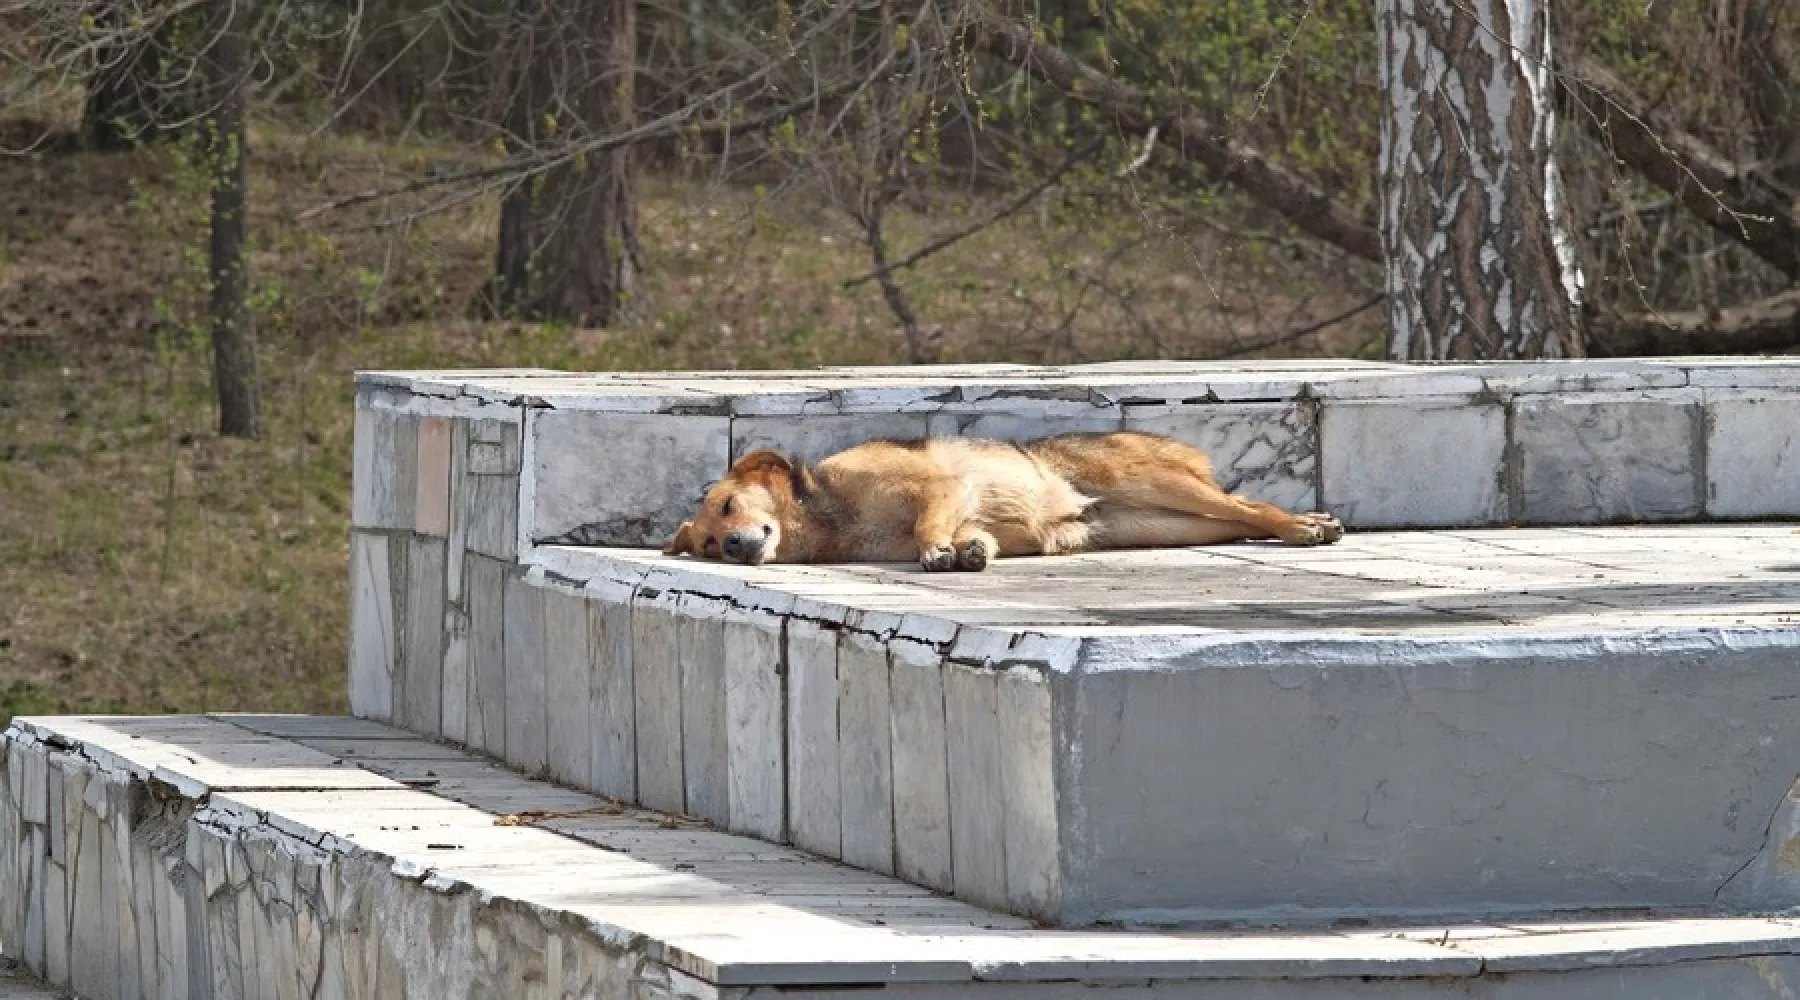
(621, 459)
(889, 729)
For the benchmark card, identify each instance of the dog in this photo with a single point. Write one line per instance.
(959, 503)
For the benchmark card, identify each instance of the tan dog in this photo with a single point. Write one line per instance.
(955, 503)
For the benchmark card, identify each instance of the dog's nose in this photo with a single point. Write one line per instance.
(747, 545)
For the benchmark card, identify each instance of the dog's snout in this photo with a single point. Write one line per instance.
(746, 545)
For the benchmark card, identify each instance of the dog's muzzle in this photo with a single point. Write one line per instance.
(748, 546)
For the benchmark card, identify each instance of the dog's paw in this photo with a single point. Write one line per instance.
(1317, 529)
(937, 558)
(973, 555)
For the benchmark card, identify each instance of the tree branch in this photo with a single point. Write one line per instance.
(945, 242)
(1763, 326)
(1308, 207)
(1734, 199)
(1301, 332)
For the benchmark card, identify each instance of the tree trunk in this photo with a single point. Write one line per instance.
(568, 247)
(234, 353)
(1479, 260)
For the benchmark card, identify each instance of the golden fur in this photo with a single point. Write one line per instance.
(956, 503)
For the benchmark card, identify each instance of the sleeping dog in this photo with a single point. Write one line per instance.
(957, 503)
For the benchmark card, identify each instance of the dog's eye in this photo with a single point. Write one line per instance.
(725, 508)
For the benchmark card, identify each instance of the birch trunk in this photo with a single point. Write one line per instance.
(1479, 260)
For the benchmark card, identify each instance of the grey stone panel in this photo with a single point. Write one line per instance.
(1264, 451)
(865, 748)
(1413, 462)
(1752, 453)
(568, 666)
(810, 438)
(374, 626)
(526, 699)
(755, 720)
(706, 777)
(384, 486)
(485, 593)
(656, 695)
(1596, 776)
(1599, 458)
(814, 783)
(420, 696)
(611, 701)
(621, 479)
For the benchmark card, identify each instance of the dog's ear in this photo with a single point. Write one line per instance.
(683, 542)
(763, 460)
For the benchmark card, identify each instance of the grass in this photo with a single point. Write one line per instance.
(148, 565)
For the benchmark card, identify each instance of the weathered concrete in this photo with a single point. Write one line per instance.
(1380, 445)
(1447, 722)
(280, 856)
(1116, 736)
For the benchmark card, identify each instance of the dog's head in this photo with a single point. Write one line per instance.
(742, 515)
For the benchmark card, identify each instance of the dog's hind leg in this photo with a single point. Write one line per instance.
(1126, 528)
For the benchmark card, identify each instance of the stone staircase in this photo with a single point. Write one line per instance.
(1539, 746)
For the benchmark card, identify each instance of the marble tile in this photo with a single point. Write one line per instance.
(419, 698)
(1413, 462)
(621, 479)
(1264, 451)
(494, 447)
(865, 753)
(813, 781)
(756, 753)
(491, 504)
(977, 829)
(1001, 426)
(705, 771)
(810, 438)
(374, 640)
(526, 707)
(921, 774)
(384, 491)
(1601, 457)
(1752, 453)
(611, 706)
(485, 593)
(431, 503)
(568, 663)
(1028, 793)
(656, 693)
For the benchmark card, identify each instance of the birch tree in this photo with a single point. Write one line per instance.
(1479, 261)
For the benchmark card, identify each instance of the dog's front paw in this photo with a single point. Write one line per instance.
(973, 555)
(937, 558)
(1317, 529)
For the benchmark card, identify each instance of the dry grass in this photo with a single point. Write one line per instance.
(147, 565)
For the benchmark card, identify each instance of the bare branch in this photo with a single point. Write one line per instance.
(1737, 200)
(1301, 332)
(999, 215)
(1767, 325)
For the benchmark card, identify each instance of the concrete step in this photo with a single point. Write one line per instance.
(1406, 725)
(279, 856)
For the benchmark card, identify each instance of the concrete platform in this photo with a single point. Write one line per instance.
(1404, 725)
(1475, 584)
(282, 856)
